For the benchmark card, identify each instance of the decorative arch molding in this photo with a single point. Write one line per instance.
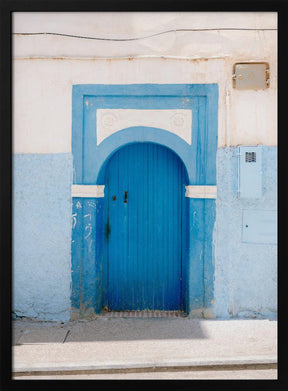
(177, 121)
(196, 147)
(140, 134)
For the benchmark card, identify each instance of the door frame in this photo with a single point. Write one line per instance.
(89, 165)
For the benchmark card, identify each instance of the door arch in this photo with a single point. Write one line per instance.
(145, 215)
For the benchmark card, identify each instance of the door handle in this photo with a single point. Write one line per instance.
(107, 229)
(125, 197)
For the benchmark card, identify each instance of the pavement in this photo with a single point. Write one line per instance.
(138, 344)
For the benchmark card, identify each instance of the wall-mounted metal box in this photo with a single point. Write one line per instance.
(251, 76)
(259, 226)
(250, 172)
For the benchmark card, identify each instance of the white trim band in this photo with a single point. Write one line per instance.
(89, 191)
(201, 191)
(97, 191)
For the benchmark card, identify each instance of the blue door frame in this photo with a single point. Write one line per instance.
(90, 162)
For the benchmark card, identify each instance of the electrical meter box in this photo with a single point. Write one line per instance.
(251, 76)
(259, 226)
(250, 172)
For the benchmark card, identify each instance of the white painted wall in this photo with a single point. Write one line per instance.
(124, 24)
(45, 67)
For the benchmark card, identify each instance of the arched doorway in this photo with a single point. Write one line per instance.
(145, 215)
(94, 143)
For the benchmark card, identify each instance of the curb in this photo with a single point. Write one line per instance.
(192, 365)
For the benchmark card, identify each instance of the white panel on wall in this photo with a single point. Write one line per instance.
(259, 226)
(250, 172)
(178, 122)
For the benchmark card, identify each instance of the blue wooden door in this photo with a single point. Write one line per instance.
(145, 218)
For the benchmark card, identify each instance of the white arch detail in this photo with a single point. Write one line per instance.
(109, 121)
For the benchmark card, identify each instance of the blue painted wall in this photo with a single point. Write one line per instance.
(201, 256)
(42, 210)
(88, 249)
(245, 273)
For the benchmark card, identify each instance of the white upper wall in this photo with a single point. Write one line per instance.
(133, 24)
(46, 66)
(160, 27)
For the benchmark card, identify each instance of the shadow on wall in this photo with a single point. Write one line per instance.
(106, 329)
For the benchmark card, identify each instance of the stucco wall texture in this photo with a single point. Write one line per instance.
(245, 273)
(42, 210)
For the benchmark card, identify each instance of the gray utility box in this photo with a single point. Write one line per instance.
(250, 172)
(259, 226)
(251, 76)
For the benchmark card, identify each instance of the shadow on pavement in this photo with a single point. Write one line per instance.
(106, 329)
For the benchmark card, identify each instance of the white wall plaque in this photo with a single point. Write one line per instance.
(208, 191)
(88, 191)
(111, 121)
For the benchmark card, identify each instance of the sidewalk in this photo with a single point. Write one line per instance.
(109, 344)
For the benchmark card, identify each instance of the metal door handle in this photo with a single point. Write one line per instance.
(125, 197)
(108, 229)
